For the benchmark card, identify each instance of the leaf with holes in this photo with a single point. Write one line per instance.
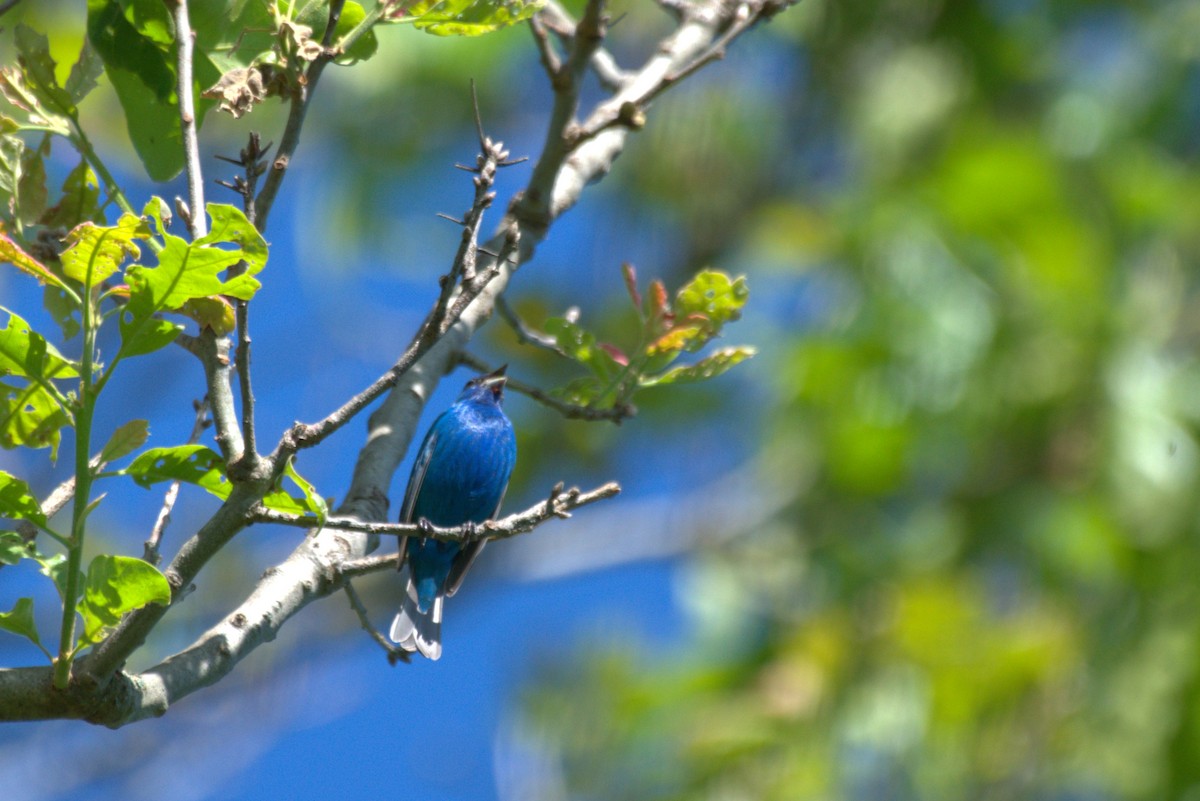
(192, 464)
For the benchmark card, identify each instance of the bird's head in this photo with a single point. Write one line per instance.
(487, 388)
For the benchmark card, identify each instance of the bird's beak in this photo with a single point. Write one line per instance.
(495, 379)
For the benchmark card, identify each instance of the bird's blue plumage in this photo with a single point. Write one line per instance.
(460, 476)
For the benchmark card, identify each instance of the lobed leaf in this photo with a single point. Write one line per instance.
(709, 367)
(580, 345)
(95, 252)
(468, 17)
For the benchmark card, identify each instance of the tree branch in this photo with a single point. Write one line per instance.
(558, 504)
(571, 411)
(185, 39)
(150, 548)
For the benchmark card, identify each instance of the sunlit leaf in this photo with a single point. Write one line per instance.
(20, 620)
(24, 352)
(13, 547)
(709, 367)
(96, 252)
(31, 417)
(192, 464)
(12, 254)
(581, 345)
(115, 586)
(468, 17)
(17, 502)
(39, 68)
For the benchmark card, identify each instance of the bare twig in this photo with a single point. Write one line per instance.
(610, 74)
(559, 504)
(185, 39)
(150, 551)
(394, 654)
(526, 334)
(571, 411)
(297, 110)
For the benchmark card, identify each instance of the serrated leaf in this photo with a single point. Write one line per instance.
(11, 253)
(17, 502)
(24, 352)
(95, 252)
(709, 367)
(30, 417)
(193, 464)
(115, 586)
(125, 440)
(20, 620)
(13, 548)
(468, 17)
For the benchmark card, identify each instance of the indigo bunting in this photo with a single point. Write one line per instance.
(459, 478)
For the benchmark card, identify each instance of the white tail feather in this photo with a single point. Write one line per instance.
(414, 631)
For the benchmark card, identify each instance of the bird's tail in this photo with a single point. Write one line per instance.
(414, 630)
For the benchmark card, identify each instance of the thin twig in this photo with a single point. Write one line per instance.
(394, 654)
(609, 73)
(559, 504)
(571, 411)
(526, 334)
(185, 40)
(298, 108)
(150, 552)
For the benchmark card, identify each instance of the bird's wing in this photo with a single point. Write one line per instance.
(466, 557)
(417, 477)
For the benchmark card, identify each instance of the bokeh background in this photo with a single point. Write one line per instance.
(938, 540)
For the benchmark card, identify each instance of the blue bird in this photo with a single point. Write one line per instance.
(459, 478)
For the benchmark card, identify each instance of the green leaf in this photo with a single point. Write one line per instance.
(16, 89)
(115, 586)
(310, 504)
(144, 335)
(468, 17)
(143, 74)
(366, 45)
(714, 296)
(581, 346)
(709, 367)
(17, 502)
(31, 186)
(39, 70)
(55, 568)
(20, 620)
(80, 200)
(31, 417)
(125, 440)
(96, 252)
(14, 548)
(11, 253)
(187, 271)
(193, 464)
(84, 73)
(24, 352)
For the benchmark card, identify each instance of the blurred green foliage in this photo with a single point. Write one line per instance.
(982, 585)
